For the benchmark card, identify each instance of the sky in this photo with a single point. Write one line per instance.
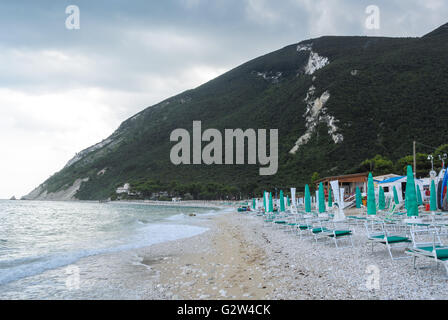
(63, 89)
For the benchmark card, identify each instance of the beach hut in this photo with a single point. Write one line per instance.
(347, 183)
(388, 186)
(399, 183)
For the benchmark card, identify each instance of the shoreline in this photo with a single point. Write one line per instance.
(239, 257)
(218, 204)
(108, 267)
(212, 204)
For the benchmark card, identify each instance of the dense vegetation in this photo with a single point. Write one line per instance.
(397, 94)
(378, 165)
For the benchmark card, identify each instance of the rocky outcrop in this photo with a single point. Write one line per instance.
(67, 194)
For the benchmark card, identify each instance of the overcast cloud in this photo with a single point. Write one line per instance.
(63, 90)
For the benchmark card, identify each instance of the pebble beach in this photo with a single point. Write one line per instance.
(241, 257)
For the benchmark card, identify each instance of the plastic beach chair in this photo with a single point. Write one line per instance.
(427, 244)
(330, 231)
(377, 233)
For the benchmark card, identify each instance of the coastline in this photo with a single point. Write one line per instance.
(101, 267)
(238, 256)
(213, 204)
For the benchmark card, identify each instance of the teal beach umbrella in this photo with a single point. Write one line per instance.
(330, 199)
(288, 201)
(396, 196)
(411, 195)
(282, 202)
(371, 204)
(381, 200)
(254, 205)
(419, 197)
(271, 204)
(307, 199)
(433, 198)
(321, 198)
(358, 198)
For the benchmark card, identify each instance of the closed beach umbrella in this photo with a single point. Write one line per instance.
(432, 199)
(264, 202)
(381, 200)
(307, 199)
(397, 201)
(358, 198)
(254, 204)
(419, 196)
(271, 204)
(321, 198)
(330, 199)
(293, 197)
(371, 206)
(288, 201)
(411, 195)
(282, 202)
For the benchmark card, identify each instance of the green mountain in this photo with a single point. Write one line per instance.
(336, 102)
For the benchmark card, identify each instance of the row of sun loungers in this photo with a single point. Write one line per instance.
(389, 229)
(317, 227)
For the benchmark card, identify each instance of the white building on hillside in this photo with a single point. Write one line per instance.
(124, 189)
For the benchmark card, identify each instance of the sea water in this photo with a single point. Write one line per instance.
(39, 239)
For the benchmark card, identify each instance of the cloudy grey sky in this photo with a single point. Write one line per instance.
(63, 90)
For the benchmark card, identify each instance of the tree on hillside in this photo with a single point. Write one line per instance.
(378, 165)
(314, 177)
(423, 165)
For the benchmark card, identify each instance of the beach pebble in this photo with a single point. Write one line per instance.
(223, 293)
(293, 268)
